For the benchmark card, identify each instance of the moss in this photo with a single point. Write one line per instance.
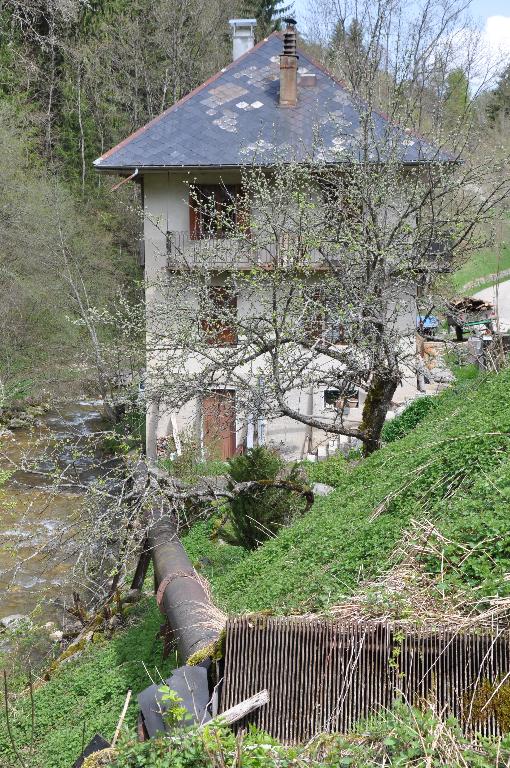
(214, 651)
(98, 759)
(490, 700)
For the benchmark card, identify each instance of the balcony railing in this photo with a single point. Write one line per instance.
(217, 253)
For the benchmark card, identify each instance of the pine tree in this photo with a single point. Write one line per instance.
(347, 54)
(269, 14)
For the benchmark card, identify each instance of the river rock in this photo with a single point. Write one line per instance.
(114, 622)
(56, 636)
(14, 620)
(35, 410)
(72, 627)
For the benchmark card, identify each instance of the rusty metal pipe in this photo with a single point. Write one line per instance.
(180, 594)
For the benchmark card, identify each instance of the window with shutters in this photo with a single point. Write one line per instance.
(219, 322)
(216, 211)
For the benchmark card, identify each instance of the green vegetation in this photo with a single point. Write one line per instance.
(399, 738)
(410, 417)
(257, 515)
(75, 79)
(451, 469)
(332, 472)
(436, 472)
(85, 695)
(473, 549)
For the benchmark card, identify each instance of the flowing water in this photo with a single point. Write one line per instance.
(38, 513)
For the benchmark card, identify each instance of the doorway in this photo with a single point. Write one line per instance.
(219, 424)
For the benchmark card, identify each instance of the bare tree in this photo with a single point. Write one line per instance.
(319, 292)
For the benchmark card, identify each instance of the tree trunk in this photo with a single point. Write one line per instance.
(377, 403)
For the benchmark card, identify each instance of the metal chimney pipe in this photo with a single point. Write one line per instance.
(243, 36)
(289, 66)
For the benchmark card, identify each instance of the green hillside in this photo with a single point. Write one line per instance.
(453, 469)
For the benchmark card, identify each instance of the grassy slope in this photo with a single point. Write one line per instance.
(431, 472)
(86, 695)
(482, 263)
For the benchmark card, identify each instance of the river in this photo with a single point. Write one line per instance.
(38, 513)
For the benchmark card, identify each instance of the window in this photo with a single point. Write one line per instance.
(215, 211)
(346, 396)
(343, 194)
(219, 316)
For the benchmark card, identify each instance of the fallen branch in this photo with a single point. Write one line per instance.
(121, 719)
(236, 713)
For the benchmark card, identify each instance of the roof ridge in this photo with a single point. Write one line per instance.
(183, 99)
(188, 137)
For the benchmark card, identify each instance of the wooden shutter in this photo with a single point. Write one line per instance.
(314, 324)
(194, 219)
(242, 210)
(218, 332)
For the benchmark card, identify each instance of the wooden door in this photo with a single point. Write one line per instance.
(219, 421)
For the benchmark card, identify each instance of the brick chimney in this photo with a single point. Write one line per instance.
(243, 36)
(289, 66)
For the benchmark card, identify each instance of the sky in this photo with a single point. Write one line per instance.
(491, 16)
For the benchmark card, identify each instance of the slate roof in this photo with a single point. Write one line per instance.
(234, 119)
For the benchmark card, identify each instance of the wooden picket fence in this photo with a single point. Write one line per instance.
(326, 675)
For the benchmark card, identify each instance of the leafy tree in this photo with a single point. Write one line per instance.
(456, 98)
(499, 104)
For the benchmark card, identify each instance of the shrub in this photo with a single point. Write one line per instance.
(258, 514)
(410, 417)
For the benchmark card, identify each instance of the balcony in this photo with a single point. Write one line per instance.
(217, 254)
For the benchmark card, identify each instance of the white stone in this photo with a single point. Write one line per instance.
(12, 621)
(321, 489)
(56, 636)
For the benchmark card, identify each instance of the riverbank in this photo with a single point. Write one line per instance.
(84, 696)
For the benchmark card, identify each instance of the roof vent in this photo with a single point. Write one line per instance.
(289, 66)
(243, 36)
(289, 37)
(308, 79)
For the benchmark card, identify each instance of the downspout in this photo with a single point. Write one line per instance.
(124, 181)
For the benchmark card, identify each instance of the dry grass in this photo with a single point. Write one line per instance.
(407, 596)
